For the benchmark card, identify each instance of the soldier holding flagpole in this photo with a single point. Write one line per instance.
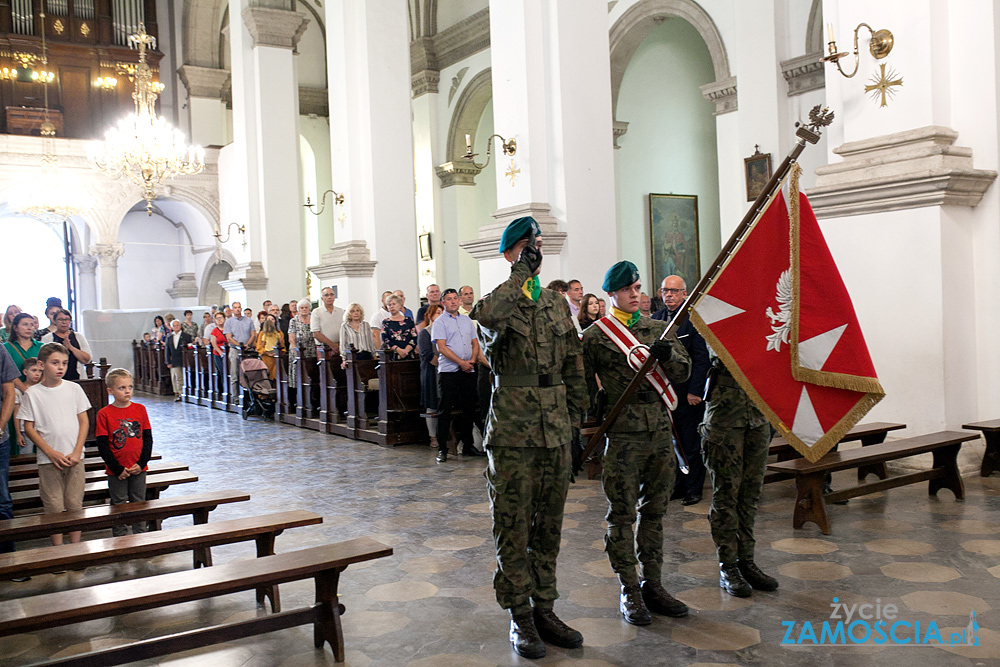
(639, 464)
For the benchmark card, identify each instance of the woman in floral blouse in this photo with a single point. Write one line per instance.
(398, 331)
(300, 340)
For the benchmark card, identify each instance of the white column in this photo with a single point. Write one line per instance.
(263, 162)
(427, 195)
(208, 117)
(107, 255)
(549, 61)
(371, 139)
(86, 287)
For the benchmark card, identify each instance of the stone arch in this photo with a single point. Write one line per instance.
(468, 111)
(814, 29)
(639, 19)
(210, 292)
(201, 20)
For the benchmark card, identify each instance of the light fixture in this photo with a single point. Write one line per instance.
(879, 46)
(338, 199)
(509, 148)
(8, 74)
(47, 197)
(229, 233)
(41, 76)
(143, 147)
(106, 82)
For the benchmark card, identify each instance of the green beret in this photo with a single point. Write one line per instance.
(518, 229)
(620, 275)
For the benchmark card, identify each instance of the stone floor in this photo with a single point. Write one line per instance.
(432, 604)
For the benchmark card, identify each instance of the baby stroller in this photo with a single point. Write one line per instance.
(259, 394)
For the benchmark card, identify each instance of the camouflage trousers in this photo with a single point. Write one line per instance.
(638, 476)
(736, 457)
(527, 487)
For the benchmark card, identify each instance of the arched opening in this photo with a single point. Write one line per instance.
(212, 293)
(670, 146)
(35, 265)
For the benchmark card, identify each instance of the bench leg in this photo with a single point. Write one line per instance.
(809, 503)
(328, 627)
(877, 469)
(265, 547)
(991, 457)
(946, 458)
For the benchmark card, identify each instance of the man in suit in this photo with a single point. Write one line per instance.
(176, 342)
(690, 407)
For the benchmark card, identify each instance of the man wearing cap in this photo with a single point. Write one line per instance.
(639, 463)
(539, 397)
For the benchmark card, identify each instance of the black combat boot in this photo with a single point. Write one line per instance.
(524, 637)
(633, 608)
(554, 631)
(733, 582)
(658, 600)
(757, 579)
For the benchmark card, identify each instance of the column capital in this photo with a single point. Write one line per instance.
(804, 73)
(457, 172)
(280, 28)
(618, 130)
(108, 253)
(85, 264)
(346, 259)
(249, 276)
(204, 81)
(184, 287)
(723, 94)
(486, 245)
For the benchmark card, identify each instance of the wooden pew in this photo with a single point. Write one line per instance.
(199, 539)
(991, 433)
(869, 434)
(323, 564)
(26, 470)
(101, 517)
(98, 491)
(89, 452)
(810, 502)
(362, 405)
(31, 483)
(399, 413)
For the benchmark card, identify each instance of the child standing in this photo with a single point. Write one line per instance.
(54, 413)
(32, 375)
(125, 442)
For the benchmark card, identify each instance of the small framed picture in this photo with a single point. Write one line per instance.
(758, 172)
(425, 246)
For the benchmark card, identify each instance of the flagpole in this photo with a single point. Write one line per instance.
(807, 133)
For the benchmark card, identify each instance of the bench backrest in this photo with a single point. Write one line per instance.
(886, 451)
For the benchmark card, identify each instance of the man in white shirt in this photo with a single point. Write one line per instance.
(376, 320)
(325, 325)
(574, 295)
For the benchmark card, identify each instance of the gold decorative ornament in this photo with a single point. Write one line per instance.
(880, 45)
(26, 59)
(59, 27)
(84, 29)
(509, 148)
(881, 85)
(512, 172)
(143, 147)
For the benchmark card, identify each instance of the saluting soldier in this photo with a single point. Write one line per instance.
(539, 396)
(735, 439)
(639, 464)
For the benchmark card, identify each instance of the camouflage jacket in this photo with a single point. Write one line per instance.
(729, 406)
(645, 410)
(522, 338)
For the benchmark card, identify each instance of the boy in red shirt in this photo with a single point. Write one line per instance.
(125, 442)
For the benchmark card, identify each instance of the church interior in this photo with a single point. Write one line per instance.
(163, 156)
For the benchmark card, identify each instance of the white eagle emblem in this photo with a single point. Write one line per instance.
(780, 320)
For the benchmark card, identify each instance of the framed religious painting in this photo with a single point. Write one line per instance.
(757, 170)
(673, 235)
(425, 246)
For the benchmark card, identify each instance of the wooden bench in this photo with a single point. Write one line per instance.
(991, 457)
(323, 564)
(869, 434)
(20, 459)
(102, 517)
(31, 483)
(810, 502)
(198, 538)
(98, 491)
(93, 463)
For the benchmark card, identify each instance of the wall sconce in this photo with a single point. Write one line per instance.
(509, 148)
(41, 76)
(338, 199)
(880, 45)
(8, 74)
(229, 232)
(106, 83)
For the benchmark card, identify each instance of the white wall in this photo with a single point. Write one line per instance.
(670, 146)
(147, 269)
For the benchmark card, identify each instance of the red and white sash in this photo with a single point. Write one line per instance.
(637, 353)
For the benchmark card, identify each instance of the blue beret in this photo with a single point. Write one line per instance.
(518, 229)
(620, 275)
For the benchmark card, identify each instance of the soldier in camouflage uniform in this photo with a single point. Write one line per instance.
(639, 463)
(735, 439)
(539, 397)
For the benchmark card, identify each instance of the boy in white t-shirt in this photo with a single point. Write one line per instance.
(32, 376)
(54, 413)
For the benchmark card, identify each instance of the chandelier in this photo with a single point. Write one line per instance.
(48, 197)
(143, 147)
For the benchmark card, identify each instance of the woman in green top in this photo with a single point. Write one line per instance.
(21, 346)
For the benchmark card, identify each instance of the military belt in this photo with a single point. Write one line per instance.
(544, 380)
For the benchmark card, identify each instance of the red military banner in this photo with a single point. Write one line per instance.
(779, 316)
